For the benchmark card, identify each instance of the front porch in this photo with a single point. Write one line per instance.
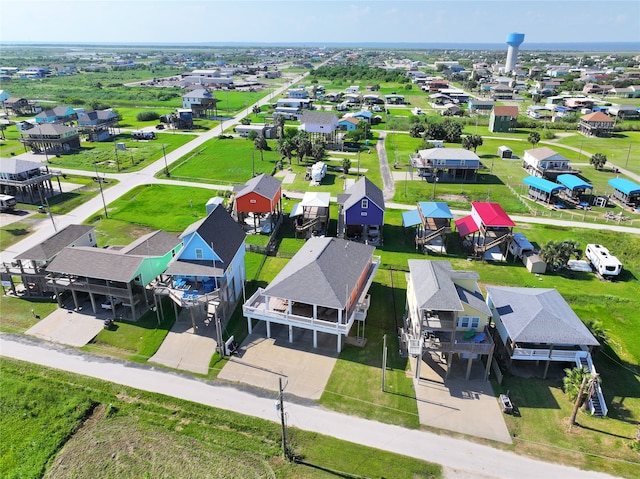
(313, 317)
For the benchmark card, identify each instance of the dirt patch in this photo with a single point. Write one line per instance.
(454, 198)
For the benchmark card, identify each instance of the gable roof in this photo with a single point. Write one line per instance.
(318, 118)
(363, 188)
(572, 182)
(96, 115)
(219, 231)
(597, 116)
(324, 272)
(624, 185)
(492, 214)
(505, 111)
(14, 166)
(349, 119)
(435, 288)
(466, 225)
(56, 111)
(198, 93)
(543, 153)
(539, 315)
(54, 244)
(264, 185)
(157, 243)
(542, 184)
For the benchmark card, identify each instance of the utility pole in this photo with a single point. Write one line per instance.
(166, 167)
(384, 360)
(285, 452)
(115, 148)
(104, 204)
(628, 153)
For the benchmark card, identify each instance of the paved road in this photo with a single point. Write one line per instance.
(461, 459)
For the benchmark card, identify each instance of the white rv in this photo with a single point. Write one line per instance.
(602, 261)
(7, 203)
(318, 171)
(520, 247)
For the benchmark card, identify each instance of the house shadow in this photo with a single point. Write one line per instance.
(620, 383)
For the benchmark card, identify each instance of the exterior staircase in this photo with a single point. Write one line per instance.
(596, 400)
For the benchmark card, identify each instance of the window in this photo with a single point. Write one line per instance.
(463, 322)
(363, 213)
(475, 322)
(252, 201)
(199, 253)
(364, 204)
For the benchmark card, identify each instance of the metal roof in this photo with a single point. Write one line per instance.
(573, 182)
(626, 186)
(411, 218)
(492, 214)
(466, 226)
(437, 209)
(542, 184)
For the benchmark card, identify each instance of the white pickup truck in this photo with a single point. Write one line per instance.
(107, 303)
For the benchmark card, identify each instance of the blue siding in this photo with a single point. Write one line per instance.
(193, 242)
(374, 215)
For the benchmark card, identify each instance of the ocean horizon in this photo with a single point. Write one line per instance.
(551, 46)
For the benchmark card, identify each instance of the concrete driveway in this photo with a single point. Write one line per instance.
(457, 404)
(65, 326)
(182, 349)
(261, 361)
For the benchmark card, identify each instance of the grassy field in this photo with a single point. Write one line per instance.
(19, 314)
(76, 426)
(142, 207)
(59, 204)
(104, 155)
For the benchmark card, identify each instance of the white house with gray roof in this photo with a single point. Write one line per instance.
(446, 314)
(324, 288)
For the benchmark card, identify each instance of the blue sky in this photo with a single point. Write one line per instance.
(314, 21)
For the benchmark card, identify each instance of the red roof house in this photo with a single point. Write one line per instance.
(490, 228)
(259, 195)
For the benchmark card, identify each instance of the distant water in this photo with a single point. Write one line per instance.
(559, 47)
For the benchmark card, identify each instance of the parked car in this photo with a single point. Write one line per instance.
(107, 303)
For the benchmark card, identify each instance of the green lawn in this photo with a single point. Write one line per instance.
(135, 340)
(107, 158)
(19, 314)
(132, 433)
(228, 161)
(146, 206)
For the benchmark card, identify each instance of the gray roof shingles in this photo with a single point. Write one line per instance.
(435, 289)
(264, 185)
(106, 264)
(363, 188)
(323, 272)
(56, 243)
(539, 315)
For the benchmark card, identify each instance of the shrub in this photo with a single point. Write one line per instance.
(147, 116)
(548, 134)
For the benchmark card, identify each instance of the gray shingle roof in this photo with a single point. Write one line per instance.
(318, 118)
(435, 289)
(107, 264)
(53, 245)
(264, 185)
(363, 188)
(539, 315)
(49, 129)
(157, 243)
(323, 272)
(14, 166)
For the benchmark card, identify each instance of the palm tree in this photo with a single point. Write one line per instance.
(285, 147)
(317, 151)
(346, 165)
(256, 110)
(598, 160)
(533, 138)
(558, 253)
(572, 381)
(260, 143)
(302, 145)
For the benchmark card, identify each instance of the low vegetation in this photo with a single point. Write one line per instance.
(78, 426)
